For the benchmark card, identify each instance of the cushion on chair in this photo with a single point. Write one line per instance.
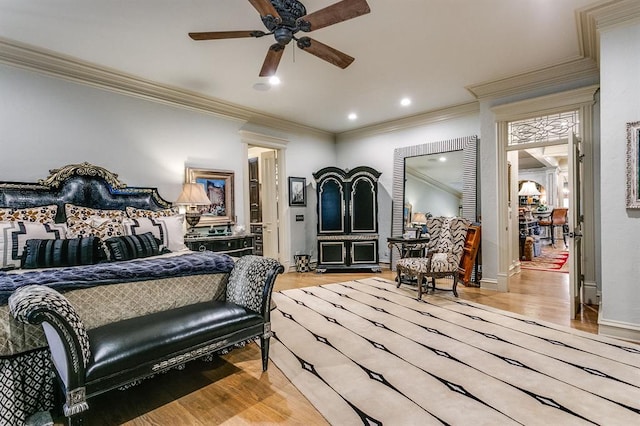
(444, 262)
(414, 265)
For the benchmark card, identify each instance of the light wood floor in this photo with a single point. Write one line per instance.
(234, 391)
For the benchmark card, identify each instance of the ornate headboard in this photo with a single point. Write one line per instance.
(83, 185)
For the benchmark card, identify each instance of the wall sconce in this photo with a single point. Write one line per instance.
(192, 197)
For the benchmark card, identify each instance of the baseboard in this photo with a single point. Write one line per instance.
(489, 284)
(590, 293)
(618, 329)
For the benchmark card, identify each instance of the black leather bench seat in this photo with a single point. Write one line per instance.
(121, 347)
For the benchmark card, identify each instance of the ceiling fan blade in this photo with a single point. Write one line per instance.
(272, 60)
(337, 12)
(325, 52)
(218, 35)
(265, 8)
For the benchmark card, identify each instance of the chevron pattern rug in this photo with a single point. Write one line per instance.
(366, 352)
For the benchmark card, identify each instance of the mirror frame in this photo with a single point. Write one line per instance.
(469, 146)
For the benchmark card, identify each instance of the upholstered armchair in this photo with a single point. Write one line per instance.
(443, 255)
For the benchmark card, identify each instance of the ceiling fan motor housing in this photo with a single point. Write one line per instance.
(290, 11)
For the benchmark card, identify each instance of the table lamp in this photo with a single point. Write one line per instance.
(421, 220)
(528, 190)
(193, 196)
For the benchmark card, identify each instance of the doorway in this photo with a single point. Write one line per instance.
(263, 200)
(546, 122)
(263, 182)
(539, 198)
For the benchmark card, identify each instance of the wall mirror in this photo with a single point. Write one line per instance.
(453, 180)
(433, 185)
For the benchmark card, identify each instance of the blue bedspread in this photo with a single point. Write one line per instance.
(65, 279)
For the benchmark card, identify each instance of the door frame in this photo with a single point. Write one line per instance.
(582, 100)
(248, 138)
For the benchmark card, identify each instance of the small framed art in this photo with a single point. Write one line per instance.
(633, 165)
(297, 191)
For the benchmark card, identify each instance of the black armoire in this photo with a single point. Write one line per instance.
(347, 218)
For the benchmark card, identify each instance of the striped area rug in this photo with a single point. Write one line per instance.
(365, 352)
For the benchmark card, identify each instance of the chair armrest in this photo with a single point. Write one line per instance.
(65, 332)
(251, 283)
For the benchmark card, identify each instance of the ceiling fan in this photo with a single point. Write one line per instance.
(284, 19)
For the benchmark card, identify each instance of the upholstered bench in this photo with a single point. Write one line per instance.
(91, 362)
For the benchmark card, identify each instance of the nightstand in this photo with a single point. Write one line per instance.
(233, 245)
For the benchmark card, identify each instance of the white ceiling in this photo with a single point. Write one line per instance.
(428, 50)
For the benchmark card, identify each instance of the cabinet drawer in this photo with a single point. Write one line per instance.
(234, 246)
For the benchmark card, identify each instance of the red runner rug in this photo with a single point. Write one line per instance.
(549, 260)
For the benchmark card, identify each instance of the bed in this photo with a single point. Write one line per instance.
(116, 252)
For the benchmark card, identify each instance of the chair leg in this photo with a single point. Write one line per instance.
(455, 285)
(420, 278)
(398, 276)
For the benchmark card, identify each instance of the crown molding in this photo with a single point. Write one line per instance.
(53, 64)
(549, 104)
(611, 13)
(577, 69)
(600, 16)
(590, 21)
(428, 117)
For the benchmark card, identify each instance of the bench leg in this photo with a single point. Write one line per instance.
(264, 349)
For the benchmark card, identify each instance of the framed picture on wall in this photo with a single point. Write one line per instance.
(218, 185)
(297, 191)
(633, 165)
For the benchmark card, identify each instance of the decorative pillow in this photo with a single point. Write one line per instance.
(68, 252)
(88, 222)
(168, 230)
(42, 214)
(95, 227)
(14, 236)
(132, 246)
(134, 212)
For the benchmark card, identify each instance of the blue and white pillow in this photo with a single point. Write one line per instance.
(14, 236)
(169, 230)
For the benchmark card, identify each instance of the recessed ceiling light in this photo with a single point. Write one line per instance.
(352, 116)
(442, 159)
(274, 80)
(263, 87)
(405, 102)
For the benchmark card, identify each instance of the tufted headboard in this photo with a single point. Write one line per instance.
(80, 184)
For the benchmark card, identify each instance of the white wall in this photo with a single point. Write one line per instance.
(425, 197)
(48, 122)
(620, 94)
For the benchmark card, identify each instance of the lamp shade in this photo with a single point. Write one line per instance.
(193, 195)
(529, 189)
(419, 218)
